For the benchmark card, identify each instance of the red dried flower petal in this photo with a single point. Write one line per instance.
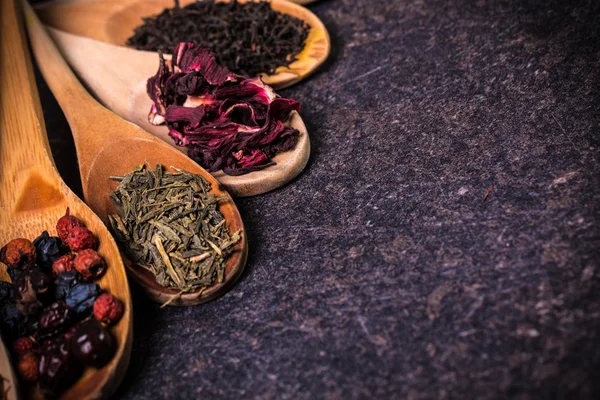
(217, 114)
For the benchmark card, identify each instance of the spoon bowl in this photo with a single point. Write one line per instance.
(33, 196)
(108, 146)
(114, 22)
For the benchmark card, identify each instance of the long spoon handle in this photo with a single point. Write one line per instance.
(80, 108)
(24, 149)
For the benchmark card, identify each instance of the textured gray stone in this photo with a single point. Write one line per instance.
(380, 272)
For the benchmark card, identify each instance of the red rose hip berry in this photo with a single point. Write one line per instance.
(65, 263)
(28, 367)
(81, 238)
(89, 264)
(65, 224)
(18, 253)
(108, 309)
(22, 346)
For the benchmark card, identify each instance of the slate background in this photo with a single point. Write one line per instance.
(380, 272)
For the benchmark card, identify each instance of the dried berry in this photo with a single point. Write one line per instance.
(6, 293)
(54, 319)
(65, 224)
(93, 344)
(65, 282)
(89, 264)
(18, 253)
(26, 296)
(12, 323)
(58, 369)
(49, 249)
(22, 345)
(28, 367)
(81, 297)
(80, 238)
(108, 309)
(32, 325)
(64, 264)
(40, 280)
(13, 273)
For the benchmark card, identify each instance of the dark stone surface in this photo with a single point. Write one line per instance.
(380, 272)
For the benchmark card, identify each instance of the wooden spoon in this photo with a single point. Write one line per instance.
(114, 22)
(33, 197)
(110, 146)
(117, 75)
(8, 382)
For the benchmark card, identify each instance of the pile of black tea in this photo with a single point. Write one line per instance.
(169, 224)
(249, 38)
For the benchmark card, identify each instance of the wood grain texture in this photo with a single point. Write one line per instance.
(33, 196)
(10, 385)
(108, 146)
(117, 76)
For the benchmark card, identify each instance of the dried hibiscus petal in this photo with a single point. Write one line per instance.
(226, 121)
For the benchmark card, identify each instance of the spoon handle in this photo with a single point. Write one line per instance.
(79, 107)
(24, 150)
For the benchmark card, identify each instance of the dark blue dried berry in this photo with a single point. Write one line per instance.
(6, 293)
(49, 249)
(81, 297)
(13, 324)
(65, 282)
(13, 273)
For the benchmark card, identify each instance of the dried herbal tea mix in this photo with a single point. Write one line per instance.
(249, 38)
(169, 224)
(225, 121)
(54, 316)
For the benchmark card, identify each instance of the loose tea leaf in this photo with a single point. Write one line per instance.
(249, 37)
(168, 223)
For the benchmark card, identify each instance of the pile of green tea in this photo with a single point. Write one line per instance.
(249, 38)
(169, 223)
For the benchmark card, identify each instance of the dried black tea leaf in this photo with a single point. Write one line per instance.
(249, 38)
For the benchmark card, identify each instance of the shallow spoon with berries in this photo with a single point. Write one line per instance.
(107, 145)
(91, 35)
(33, 196)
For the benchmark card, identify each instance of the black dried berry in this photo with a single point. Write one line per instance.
(58, 369)
(49, 249)
(54, 319)
(81, 297)
(65, 282)
(13, 324)
(32, 325)
(93, 344)
(40, 280)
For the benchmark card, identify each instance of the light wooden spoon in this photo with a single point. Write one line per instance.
(110, 146)
(114, 22)
(8, 384)
(117, 75)
(33, 197)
